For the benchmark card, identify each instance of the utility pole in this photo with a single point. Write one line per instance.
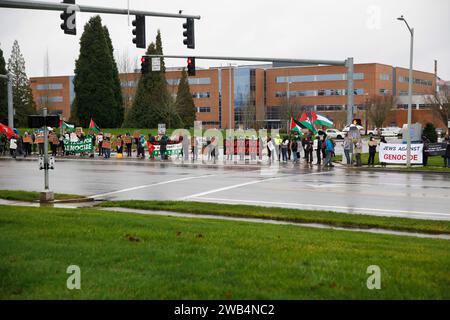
(8, 77)
(410, 84)
(350, 89)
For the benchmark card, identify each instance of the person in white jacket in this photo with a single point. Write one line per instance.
(13, 146)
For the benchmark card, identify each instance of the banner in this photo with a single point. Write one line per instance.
(436, 149)
(79, 146)
(171, 149)
(396, 153)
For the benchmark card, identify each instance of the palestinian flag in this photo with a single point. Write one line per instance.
(304, 121)
(319, 120)
(67, 126)
(93, 126)
(296, 128)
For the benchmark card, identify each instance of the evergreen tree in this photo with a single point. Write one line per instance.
(185, 102)
(159, 50)
(95, 81)
(152, 100)
(119, 116)
(3, 89)
(430, 132)
(22, 95)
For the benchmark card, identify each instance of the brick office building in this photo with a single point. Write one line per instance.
(260, 95)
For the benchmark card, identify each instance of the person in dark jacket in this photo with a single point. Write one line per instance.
(372, 151)
(447, 153)
(163, 147)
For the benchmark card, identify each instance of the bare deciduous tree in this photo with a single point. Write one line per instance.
(379, 108)
(440, 103)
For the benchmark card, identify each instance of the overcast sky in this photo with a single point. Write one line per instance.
(321, 29)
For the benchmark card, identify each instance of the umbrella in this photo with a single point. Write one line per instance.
(16, 131)
(9, 132)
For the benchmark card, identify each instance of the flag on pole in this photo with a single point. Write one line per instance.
(67, 126)
(93, 126)
(319, 120)
(304, 121)
(296, 128)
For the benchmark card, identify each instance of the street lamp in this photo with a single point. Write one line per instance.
(408, 134)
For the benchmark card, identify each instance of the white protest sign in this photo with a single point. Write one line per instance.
(396, 153)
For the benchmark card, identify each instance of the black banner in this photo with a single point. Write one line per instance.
(435, 149)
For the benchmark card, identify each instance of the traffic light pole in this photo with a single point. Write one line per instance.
(41, 5)
(346, 63)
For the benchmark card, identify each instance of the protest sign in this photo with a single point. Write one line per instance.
(396, 153)
(78, 146)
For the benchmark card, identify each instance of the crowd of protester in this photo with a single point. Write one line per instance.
(318, 149)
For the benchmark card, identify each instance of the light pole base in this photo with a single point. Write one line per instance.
(47, 196)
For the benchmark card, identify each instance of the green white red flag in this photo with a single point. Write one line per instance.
(319, 120)
(304, 121)
(296, 128)
(93, 126)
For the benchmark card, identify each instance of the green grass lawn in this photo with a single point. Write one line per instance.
(33, 196)
(434, 163)
(127, 256)
(284, 214)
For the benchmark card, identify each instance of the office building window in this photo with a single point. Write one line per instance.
(128, 84)
(384, 92)
(191, 81)
(49, 86)
(320, 77)
(420, 82)
(210, 123)
(384, 77)
(203, 109)
(200, 95)
(329, 107)
(46, 99)
(318, 93)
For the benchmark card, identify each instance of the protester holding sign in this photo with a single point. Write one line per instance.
(372, 151)
(447, 153)
(128, 143)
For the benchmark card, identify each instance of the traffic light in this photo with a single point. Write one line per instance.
(139, 31)
(145, 64)
(189, 35)
(68, 17)
(191, 66)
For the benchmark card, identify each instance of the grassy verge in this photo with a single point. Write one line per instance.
(126, 256)
(33, 196)
(283, 214)
(434, 163)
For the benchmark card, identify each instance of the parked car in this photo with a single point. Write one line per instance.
(347, 128)
(335, 134)
(390, 132)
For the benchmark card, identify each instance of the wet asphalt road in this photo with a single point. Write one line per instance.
(412, 195)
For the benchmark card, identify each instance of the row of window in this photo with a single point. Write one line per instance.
(49, 86)
(45, 99)
(203, 109)
(318, 93)
(416, 81)
(129, 84)
(191, 81)
(200, 95)
(319, 77)
(210, 123)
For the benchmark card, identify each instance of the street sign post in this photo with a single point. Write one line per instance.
(156, 64)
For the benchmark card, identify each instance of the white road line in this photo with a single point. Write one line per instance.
(227, 188)
(201, 194)
(150, 185)
(399, 212)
